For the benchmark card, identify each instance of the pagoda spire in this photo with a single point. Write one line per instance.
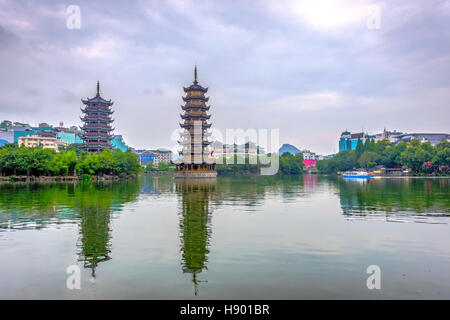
(195, 75)
(98, 88)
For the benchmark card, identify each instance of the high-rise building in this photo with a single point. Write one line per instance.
(97, 123)
(195, 159)
(349, 141)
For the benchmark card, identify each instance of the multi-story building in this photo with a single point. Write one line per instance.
(248, 149)
(392, 136)
(154, 156)
(162, 156)
(11, 132)
(432, 138)
(118, 143)
(97, 123)
(45, 142)
(349, 141)
(195, 154)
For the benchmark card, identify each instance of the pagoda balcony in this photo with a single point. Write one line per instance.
(95, 138)
(97, 145)
(190, 98)
(196, 116)
(191, 126)
(92, 110)
(190, 107)
(96, 120)
(96, 127)
(192, 134)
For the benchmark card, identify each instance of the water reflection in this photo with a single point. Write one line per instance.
(195, 224)
(92, 206)
(395, 197)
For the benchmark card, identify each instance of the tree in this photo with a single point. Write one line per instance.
(359, 149)
(368, 159)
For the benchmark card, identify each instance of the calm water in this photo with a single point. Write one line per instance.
(249, 238)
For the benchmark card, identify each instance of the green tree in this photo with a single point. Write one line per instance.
(368, 159)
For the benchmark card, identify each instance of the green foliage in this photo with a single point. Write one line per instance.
(108, 162)
(162, 167)
(413, 154)
(72, 147)
(368, 159)
(288, 165)
(39, 161)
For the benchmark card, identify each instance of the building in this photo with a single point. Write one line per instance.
(349, 141)
(11, 132)
(288, 148)
(432, 138)
(70, 137)
(162, 156)
(118, 143)
(45, 142)
(7, 135)
(392, 136)
(154, 156)
(195, 159)
(248, 149)
(97, 123)
(145, 156)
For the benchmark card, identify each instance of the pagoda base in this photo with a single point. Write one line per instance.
(194, 174)
(195, 171)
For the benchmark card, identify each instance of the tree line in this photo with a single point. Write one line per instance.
(40, 161)
(420, 157)
(288, 165)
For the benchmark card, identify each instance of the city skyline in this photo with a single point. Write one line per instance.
(310, 72)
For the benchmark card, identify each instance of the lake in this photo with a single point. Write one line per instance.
(260, 237)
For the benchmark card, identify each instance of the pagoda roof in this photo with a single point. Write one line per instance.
(97, 99)
(195, 86)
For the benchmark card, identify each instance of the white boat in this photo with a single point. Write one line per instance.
(357, 174)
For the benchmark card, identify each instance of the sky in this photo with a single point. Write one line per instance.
(310, 69)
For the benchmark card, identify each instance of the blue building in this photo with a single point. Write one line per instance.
(118, 143)
(145, 156)
(349, 141)
(288, 148)
(69, 137)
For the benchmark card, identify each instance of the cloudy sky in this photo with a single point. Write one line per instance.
(308, 68)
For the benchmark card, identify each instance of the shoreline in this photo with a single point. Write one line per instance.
(39, 179)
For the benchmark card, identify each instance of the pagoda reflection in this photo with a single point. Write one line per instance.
(96, 206)
(195, 224)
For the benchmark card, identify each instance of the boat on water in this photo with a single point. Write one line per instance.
(357, 174)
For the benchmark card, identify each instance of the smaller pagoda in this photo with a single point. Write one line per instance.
(97, 123)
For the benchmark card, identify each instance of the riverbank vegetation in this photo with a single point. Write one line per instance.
(421, 158)
(38, 161)
(162, 167)
(288, 165)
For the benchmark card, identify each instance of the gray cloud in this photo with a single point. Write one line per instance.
(288, 66)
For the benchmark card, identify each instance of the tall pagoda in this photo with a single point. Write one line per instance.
(195, 159)
(97, 123)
